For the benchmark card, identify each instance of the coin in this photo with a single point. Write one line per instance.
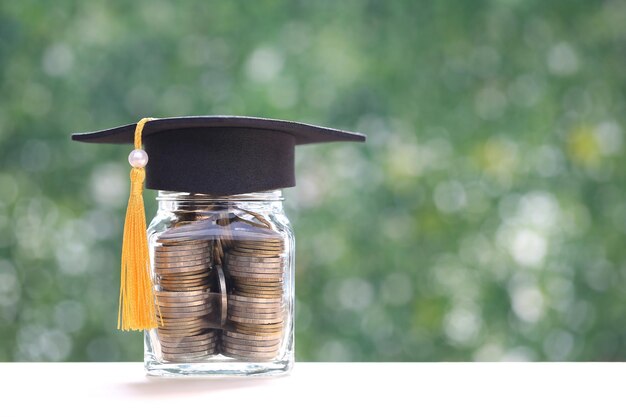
(182, 326)
(195, 306)
(260, 277)
(181, 304)
(179, 263)
(180, 332)
(185, 345)
(257, 328)
(248, 355)
(170, 246)
(168, 253)
(259, 239)
(182, 287)
(250, 253)
(250, 342)
(260, 308)
(259, 295)
(186, 349)
(180, 294)
(174, 270)
(203, 336)
(256, 313)
(251, 256)
(267, 285)
(223, 295)
(247, 336)
(255, 271)
(240, 263)
(187, 357)
(245, 299)
(255, 320)
(227, 344)
(184, 313)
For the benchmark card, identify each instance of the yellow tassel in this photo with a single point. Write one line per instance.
(137, 310)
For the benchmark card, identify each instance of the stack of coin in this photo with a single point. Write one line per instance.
(255, 301)
(182, 330)
(183, 268)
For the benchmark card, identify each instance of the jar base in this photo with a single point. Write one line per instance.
(217, 368)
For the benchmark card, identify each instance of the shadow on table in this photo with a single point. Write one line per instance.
(163, 387)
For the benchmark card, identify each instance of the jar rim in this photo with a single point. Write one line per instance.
(270, 195)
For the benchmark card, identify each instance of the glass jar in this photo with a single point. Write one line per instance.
(223, 275)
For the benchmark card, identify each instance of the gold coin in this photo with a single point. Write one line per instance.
(242, 283)
(201, 309)
(247, 355)
(249, 253)
(267, 277)
(255, 259)
(171, 339)
(250, 257)
(251, 342)
(177, 252)
(177, 287)
(255, 300)
(184, 282)
(183, 321)
(183, 270)
(169, 246)
(176, 263)
(204, 341)
(268, 328)
(188, 277)
(256, 313)
(188, 357)
(182, 314)
(181, 325)
(178, 294)
(180, 304)
(182, 255)
(262, 244)
(257, 281)
(262, 285)
(254, 252)
(188, 349)
(181, 332)
(243, 271)
(250, 348)
(246, 336)
(278, 292)
(255, 320)
(202, 253)
(183, 299)
(263, 309)
(247, 307)
(255, 265)
(258, 295)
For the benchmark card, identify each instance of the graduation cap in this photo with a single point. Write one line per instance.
(219, 155)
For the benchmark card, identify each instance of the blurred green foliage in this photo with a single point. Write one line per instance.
(484, 219)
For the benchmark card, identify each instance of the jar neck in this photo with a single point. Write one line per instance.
(173, 200)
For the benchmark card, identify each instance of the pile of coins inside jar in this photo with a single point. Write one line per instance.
(183, 307)
(220, 283)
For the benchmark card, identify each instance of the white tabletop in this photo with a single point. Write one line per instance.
(323, 389)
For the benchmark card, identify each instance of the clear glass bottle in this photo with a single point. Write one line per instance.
(223, 275)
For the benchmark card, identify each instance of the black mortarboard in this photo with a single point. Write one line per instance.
(220, 155)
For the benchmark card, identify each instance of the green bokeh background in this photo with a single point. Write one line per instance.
(484, 219)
